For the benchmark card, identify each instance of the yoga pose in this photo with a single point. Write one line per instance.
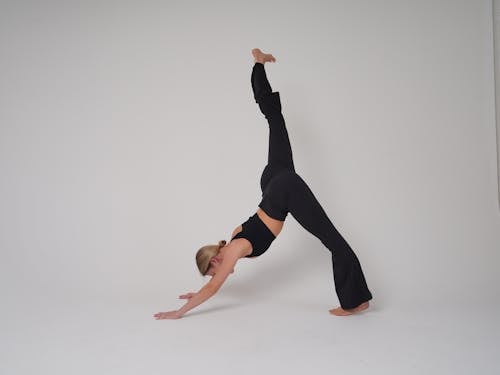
(283, 192)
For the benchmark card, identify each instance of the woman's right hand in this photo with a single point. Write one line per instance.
(187, 295)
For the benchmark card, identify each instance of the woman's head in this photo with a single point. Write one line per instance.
(205, 254)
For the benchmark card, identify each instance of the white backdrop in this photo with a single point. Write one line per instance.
(129, 138)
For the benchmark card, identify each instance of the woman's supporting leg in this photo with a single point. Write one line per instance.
(350, 283)
(280, 151)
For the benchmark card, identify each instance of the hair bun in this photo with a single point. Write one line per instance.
(222, 243)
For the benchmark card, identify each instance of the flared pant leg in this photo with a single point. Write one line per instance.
(289, 193)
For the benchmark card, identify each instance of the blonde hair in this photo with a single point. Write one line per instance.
(205, 255)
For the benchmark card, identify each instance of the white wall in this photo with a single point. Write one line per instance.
(129, 138)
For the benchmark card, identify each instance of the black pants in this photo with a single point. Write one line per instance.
(284, 191)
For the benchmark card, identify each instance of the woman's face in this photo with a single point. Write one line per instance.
(211, 271)
(215, 265)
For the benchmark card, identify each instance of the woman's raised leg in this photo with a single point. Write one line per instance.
(280, 151)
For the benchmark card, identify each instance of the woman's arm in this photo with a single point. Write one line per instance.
(208, 290)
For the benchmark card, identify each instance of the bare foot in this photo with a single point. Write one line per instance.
(339, 311)
(262, 57)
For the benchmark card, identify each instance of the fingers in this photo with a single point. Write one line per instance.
(167, 315)
(187, 296)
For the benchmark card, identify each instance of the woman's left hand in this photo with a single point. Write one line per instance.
(168, 315)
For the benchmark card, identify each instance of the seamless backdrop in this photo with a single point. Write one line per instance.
(129, 138)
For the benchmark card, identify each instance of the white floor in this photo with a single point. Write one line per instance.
(231, 335)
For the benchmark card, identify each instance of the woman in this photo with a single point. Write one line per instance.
(283, 192)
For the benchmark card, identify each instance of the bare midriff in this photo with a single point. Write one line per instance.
(274, 225)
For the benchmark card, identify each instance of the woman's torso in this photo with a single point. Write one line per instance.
(275, 226)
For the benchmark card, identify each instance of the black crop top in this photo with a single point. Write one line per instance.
(259, 235)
